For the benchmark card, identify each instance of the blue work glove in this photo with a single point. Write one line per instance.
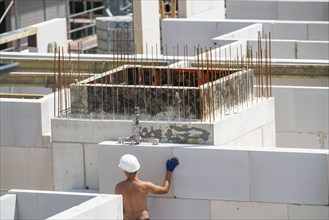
(172, 164)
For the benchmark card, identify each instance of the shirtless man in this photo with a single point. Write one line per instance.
(134, 191)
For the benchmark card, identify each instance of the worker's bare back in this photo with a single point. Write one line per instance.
(134, 193)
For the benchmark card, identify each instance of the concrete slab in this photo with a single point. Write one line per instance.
(289, 177)
(212, 174)
(68, 166)
(247, 210)
(307, 212)
(151, 158)
(170, 208)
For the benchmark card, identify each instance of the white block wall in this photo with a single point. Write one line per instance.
(45, 34)
(74, 140)
(226, 182)
(253, 126)
(100, 207)
(33, 204)
(26, 167)
(8, 207)
(288, 49)
(25, 148)
(302, 116)
(201, 9)
(196, 32)
(146, 25)
(278, 10)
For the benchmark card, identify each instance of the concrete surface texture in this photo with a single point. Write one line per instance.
(226, 182)
(34, 204)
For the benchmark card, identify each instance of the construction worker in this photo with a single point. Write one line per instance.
(134, 191)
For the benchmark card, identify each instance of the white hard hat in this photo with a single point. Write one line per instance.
(129, 163)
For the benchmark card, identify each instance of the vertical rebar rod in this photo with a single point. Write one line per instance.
(59, 81)
(212, 85)
(54, 89)
(270, 54)
(64, 79)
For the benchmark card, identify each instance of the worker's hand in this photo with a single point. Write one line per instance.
(172, 164)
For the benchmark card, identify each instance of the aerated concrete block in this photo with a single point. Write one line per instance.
(52, 203)
(27, 204)
(209, 173)
(313, 50)
(318, 31)
(247, 120)
(283, 108)
(289, 177)
(293, 30)
(247, 210)
(241, 9)
(302, 140)
(308, 212)
(152, 159)
(26, 167)
(313, 116)
(8, 207)
(170, 208)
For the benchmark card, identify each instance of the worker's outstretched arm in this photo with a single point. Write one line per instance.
(170, 165)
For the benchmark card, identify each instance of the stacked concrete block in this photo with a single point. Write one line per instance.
(227, 182)
(34, 204)
(305, 10)
(115, 35)
(300, 125)
(8, 207)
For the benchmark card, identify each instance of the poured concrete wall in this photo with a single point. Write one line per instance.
(74, 141)
(304, 10)
(225, 182)
(302, 116)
